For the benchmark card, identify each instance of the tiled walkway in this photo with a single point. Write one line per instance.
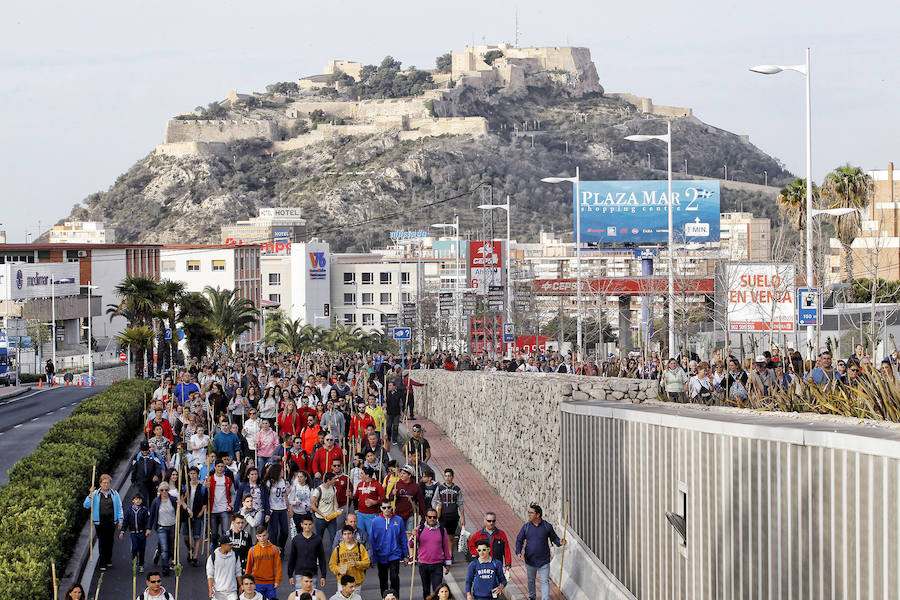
(479, 497)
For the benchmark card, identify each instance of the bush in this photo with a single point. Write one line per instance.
(41, 510)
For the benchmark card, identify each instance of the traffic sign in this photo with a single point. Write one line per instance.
(509, 332)
(180, 333)
(809, 306)
(402, 333)
(168, 333)
(123, 357)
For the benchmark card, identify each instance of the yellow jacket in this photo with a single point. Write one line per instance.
(342, 556)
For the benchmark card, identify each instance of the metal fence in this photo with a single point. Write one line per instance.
(775, 507)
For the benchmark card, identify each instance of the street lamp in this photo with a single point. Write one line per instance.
(456, 301)
(667, 138)
(577, 181)
(509, 297)
(803, 69)
(90, 335)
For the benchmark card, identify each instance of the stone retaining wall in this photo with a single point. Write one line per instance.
(508, 424)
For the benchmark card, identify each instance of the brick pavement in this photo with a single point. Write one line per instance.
(479, 497)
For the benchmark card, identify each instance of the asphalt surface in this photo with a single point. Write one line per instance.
(25, 419)
(117, 581)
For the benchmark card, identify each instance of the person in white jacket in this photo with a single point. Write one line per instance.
(248, 589)
(223, 571)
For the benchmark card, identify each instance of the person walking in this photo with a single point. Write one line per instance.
(430, 548)
(264, 563)
(137, 521)
(484, 576)
(497, 540)
(394, 407)
(389, 544)
(154, 589)
(448, 500)
(368, 495)
(146, 472)
(347, 590)
(220, 498)
(349, 557)
(535, 538)
(306, 554)
(223, 571)
(106, 514)
(322, 503)
(162, 519)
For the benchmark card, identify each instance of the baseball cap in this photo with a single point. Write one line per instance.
(408, 469)
(145, 445)
(225, 539)
(418, 427)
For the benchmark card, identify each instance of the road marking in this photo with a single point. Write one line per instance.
(17, 426)
(34, 419)
(49, 413)
(73, 404)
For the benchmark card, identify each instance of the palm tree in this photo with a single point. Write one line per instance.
(230, 315)
(193, 314)
(847, 187)
(342, 339)
(139, 304)
(138, 339)
(293, 336)
(792, 202)
(170, 293)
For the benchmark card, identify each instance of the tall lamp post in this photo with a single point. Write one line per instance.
(456, 301)
(509, 296)
(577, 181)
(803, 69)
(90, 334)
(667, 138)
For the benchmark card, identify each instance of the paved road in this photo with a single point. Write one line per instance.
(25, 419)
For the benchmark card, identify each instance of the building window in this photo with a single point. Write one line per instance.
(349, 318)
(368, 319)
(367, 278)
(368, 299)
(386, 278)
(274, 278)
(385, 297)
(407, 297)
(349, 299)
(349, 278)
(404, 278)
(193, 265)
(168, 265)
(218, 265)
(275, 298)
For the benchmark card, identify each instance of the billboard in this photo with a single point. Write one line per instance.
(485, 266)
(760, 296)
(636, 211)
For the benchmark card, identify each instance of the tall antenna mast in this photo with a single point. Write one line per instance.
(517, 29)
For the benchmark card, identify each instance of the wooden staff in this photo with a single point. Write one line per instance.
(208, 505)
(91, 529)
(134, 571)
(145, 408)
(53, 576)
(412, 580)
(563, 557)
(97, 591)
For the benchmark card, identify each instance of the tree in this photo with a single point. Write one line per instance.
(444, 63)
(139, 339)
(792, 202)
(342, 339)
(171, 293)
(847, 187)
(230, 315)
(318, 116)
(288, 88)
(292, 336)
(139, 304)
(491, 55)
(193, 313)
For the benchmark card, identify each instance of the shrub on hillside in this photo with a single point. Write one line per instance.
(41, 510)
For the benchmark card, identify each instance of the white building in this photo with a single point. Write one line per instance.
(275, 271)
(310, 282)
(218, 266)
(82, 232)
(275, 229)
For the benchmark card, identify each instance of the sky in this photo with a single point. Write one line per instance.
(86, 92)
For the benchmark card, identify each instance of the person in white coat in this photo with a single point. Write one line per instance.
(223, 571)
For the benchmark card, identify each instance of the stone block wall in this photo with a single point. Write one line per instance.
(508, 425)
(219, 130)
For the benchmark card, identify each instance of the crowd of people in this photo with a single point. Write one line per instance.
(266, 468)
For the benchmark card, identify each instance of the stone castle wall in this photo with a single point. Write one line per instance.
(219, 130)
(645, 105)
(508, 425)
(180, 149)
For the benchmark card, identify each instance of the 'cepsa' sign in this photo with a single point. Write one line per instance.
(264, 247)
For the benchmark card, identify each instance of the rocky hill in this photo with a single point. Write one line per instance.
(356, 185)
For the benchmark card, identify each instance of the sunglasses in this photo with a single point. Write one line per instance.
(490, 520)
(154, 580)
(484, 549)
(386, 508)
(431, 516)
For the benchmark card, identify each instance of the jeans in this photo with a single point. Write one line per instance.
(364, 522)
(278, 528)
(543, 572)
(432, 576)
(327, 531)
(218, 525)
(390, 570)
(166, 538)
(138, 547)
(410, 405)
(266, 590)
(392, 428)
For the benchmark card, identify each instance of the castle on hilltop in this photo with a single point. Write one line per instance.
(279, 117)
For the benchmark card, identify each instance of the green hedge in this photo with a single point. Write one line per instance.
(41, 512)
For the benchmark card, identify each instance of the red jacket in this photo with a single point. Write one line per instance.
(321, 462)
(289, 423)
(358, 425)
(167, 429)
(229, 485)
(302, 460)
(340, 490)
(499, 545)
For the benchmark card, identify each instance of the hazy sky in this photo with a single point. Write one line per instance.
(86, 89)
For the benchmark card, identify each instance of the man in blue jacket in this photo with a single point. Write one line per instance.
(388, 539)
(227, 442)
(484, 576)
(537, 535)
(106, 513)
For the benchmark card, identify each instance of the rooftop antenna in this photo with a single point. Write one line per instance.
(517, 29)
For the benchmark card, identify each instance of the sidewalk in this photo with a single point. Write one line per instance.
(479, 497)
(12, 391)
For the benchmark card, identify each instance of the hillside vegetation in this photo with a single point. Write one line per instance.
(353, 191)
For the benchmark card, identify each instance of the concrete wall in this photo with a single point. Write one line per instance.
(219, 130)
(777, 506)
(508, 424)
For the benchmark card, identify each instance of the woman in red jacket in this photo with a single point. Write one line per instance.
(289, 420)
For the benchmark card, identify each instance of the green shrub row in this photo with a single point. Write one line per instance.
(41, 510)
